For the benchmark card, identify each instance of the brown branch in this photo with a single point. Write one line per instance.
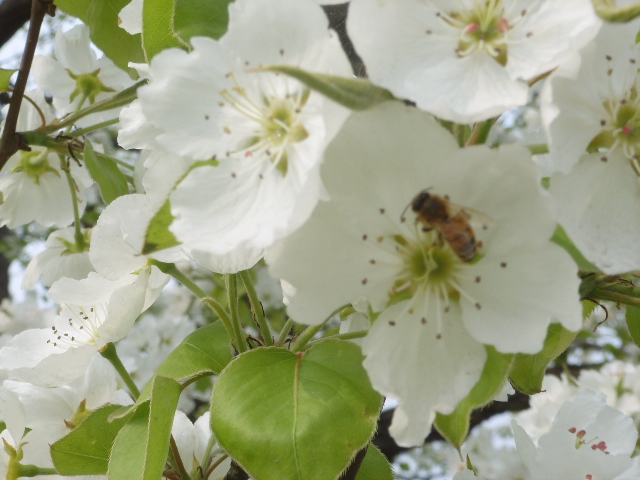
(390, 448)
(12, 141)
(352, 470)
(13, 15)
(236, 473)
(337, 15)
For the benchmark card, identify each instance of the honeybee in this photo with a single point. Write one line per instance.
(453, 222)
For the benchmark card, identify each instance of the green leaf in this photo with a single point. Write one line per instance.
(111, 181)
(561, 238)
(158, 235)
(633, 323)
(353, 93)
(207, 351)
(528, 371)
(102, 18)
(157, 27)
(5, 79)
(172, 23)
(86, 449)
(375, 466)
(301, 415)
(140, 449)
(201, 18)
(455, 426)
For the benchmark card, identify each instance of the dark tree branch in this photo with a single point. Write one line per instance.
(4, 267)
(12, 141)
(390, 448)
(337, 15)
(516, 403)
(13, 15)
(352, 470)
(236, 473)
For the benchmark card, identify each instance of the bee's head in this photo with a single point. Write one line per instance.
(420, 201)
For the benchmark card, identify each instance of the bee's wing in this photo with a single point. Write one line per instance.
(477, 219)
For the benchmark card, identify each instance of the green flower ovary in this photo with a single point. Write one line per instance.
(72, 247)
(35, 164)
(88, 85)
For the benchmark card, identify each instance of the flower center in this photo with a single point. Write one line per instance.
(35, 164)
(595, 445)
(484, 27)
(274, 123)
(621, 130)
(429, 266)
(77, 326)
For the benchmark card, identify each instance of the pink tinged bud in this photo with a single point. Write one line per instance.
(503, 25)
(627, 130)
(472, 27)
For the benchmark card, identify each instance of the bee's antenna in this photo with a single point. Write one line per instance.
(402, 217)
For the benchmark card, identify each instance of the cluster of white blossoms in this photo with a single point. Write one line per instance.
(588, 440)
(443, 250)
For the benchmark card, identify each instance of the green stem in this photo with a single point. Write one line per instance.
(284, 333)
(306, 336)
(79, 238)
(231, 282)
(616, 297)
(538, 149)
(342, 336)
(83, 131)
(171, 269)
(480, 132)
(33, 471)
(215, 465)
(109, 352)
(177, 460)
(120, 99)
(256, 308)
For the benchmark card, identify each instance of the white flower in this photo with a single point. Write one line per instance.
(154, 337)
(260, 135)
(466, 60)
(119, 237)
(130, 17)
(52, 412)
(591, 110)
(426, 347)
(619, 381)
(78, 77)
(13, 415)
(93, 312)
(588, 440)
(38, 176)
(193, 441)
(62, 257)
